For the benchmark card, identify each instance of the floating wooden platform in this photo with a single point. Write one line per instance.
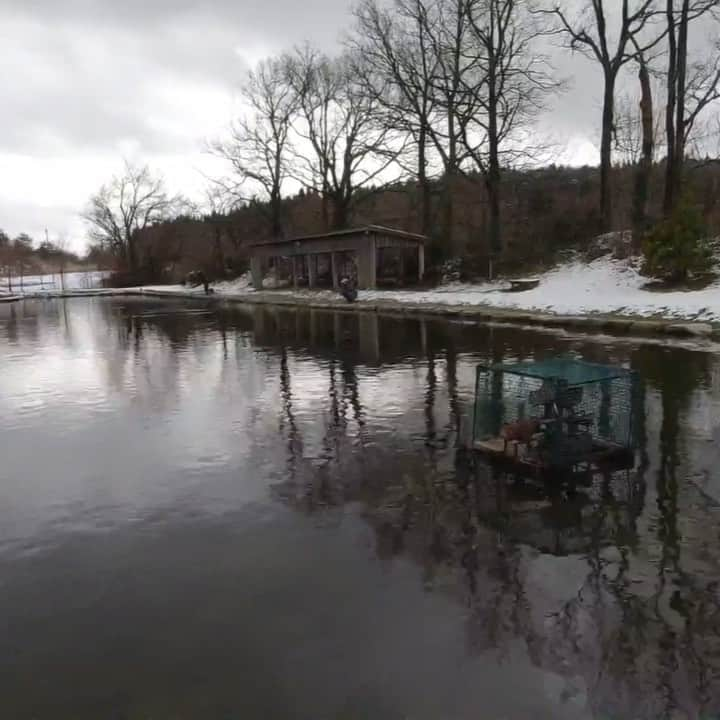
(492, 446)
(517, 457)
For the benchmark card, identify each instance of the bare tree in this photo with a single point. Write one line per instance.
(702, 90)
(448, 29)
(502, 93)
(258, 146)
(7, 258)
(423, 51)
(638, 130)
(61, 246)
(636, 134)
(588, 32)
(401, 65)
(628, 130)
(644, 169)
(127, 204)
(340, 147)
(22, 254)
(690, 89)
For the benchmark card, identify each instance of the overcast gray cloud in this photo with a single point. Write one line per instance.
(92, 72)
(86, 82)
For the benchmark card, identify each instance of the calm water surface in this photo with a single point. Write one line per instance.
(232, 513)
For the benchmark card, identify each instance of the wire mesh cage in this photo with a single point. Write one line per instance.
(557, 410)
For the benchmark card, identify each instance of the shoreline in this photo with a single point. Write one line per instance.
(618, 325)
(621, 325)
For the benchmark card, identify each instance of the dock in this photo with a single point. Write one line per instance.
(523, 460)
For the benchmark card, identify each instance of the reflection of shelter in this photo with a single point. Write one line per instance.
(364, 338)
(369, 253)
(554, 413)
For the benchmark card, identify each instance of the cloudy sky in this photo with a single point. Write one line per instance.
(88, 82)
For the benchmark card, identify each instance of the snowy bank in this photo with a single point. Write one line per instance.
(602, 287)
(52, 283)
(606, 294)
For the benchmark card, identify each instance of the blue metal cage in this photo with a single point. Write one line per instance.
(583, 407)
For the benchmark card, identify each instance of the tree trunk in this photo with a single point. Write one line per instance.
(324, 209)
(492, 180)
(608, 116)
(423, 182)
(492, 183)
(448, 209)
(276, 214)
(340, 212)
(644, 169)
(682, 51)
(219, 257)
(131, 256)
(670, 183)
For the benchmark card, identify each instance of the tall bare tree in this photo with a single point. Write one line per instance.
(636, 133)
(401, 65)
(505, 82)
(425, 51)
(691, 87)
(341, 147)
(627, 131)
(588, 32)
(448, 29)
(128, 203)
(7, 258)
(61, 247)
(23, 250)
(258, 146)
(645, 163)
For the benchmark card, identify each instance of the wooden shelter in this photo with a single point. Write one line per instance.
(355, 252)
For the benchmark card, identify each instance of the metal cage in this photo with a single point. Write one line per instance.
(602, 400)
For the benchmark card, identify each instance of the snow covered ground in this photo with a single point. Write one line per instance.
(239, 286)
(83, 280)
(603, 286)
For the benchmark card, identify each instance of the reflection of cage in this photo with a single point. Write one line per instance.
(555, 412)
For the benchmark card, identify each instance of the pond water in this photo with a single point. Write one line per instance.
(212, 512)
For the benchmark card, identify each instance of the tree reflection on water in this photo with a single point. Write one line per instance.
(611, 586)
(633, 624)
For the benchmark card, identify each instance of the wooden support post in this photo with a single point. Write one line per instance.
(334, 270)
(367, 265)
(256, 272)
(295, 271)
(421, 261)
(312, 270)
